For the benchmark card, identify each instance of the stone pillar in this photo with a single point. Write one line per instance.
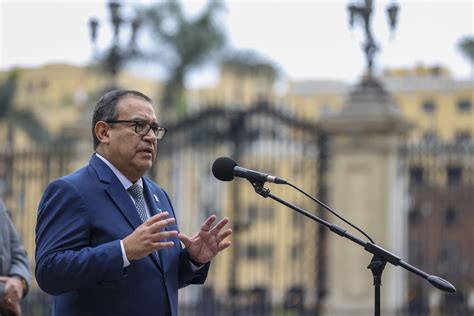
(368, 187)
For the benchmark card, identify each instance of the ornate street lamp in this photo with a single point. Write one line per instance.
(117, 54)
(363, 14)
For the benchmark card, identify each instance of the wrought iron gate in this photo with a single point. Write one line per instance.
(24, 173)
(274, 263)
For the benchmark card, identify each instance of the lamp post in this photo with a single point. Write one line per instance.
(363, 14)
(114, 57)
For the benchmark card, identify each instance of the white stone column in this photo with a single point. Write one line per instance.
(368, 187)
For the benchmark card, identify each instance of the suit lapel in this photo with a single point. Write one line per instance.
(155, 208)
(151, 199)
(123, 202)
(116, 191)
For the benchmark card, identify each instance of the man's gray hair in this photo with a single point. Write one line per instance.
(105, 109)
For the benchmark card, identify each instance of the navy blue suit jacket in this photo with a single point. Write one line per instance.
(81, 219)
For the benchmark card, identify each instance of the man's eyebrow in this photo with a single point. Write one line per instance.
(137, 118)
(142, 119)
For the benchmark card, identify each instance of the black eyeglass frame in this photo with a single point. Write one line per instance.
(154, 127)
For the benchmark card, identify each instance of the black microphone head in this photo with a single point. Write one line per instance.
(223, 168)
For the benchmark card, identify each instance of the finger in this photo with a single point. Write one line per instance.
(206, 226)
(219, 226)
(185, 240)
(164, 235)
(223, 245)
(17, 309)
(156, 218)
(224, 235)
(156, 227)
(162, 245)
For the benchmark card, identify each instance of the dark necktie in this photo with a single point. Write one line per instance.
(137, 192)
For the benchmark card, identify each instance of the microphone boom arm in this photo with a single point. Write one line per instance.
(381, 255)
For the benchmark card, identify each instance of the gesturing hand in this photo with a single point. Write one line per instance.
(205, 245)
(149, 236)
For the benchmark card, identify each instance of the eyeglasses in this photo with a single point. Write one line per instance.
(143, 127)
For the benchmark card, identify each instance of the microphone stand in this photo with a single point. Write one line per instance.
(380, 255)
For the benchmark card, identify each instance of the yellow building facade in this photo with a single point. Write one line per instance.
(439, 106)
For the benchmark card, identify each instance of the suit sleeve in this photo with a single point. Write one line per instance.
(188, 275)
(19, 259)
(65, 260)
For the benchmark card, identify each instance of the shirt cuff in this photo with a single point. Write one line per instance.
(194, 267)
(126, 263)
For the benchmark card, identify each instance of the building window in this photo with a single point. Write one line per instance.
(462, 137)
(429, 107)
(454, 176)
(416, 176)
(296, 251)
(450, 216)
(464, 105)
(430, 137)
(298, 219)
(448, 256)
(325, 110)
(264, 252)
(253, 211)
(414, 216)
(262, 213)
(252, 252)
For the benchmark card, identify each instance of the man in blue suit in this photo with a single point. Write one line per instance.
(107, 242)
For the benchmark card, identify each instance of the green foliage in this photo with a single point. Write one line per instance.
(28, 122)
(248, 62)
(466, 46)
(183, 43)
(7, 93)
(24, 119)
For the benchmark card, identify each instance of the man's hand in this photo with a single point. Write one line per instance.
(207, 243)
(12, 295)
(148, 237)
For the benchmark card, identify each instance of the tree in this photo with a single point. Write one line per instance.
(466, 46)
(183, 44)
(253, 75)
(21, 118)
(248, 62)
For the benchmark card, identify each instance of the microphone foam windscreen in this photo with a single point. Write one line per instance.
(223, 168)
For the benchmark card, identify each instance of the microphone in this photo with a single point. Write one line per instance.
(225, 169)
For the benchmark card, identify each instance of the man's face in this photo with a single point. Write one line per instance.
(129, 152)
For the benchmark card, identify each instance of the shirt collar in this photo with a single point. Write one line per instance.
(123, 179)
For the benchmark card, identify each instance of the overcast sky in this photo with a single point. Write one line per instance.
(307, 39)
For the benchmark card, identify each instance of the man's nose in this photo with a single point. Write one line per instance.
(150, 136)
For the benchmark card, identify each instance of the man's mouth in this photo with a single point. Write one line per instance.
(147, 150)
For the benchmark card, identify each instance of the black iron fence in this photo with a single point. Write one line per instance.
(275, 262)
(24, 173)
(440, 221)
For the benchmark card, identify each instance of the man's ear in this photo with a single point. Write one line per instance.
(101, 130)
